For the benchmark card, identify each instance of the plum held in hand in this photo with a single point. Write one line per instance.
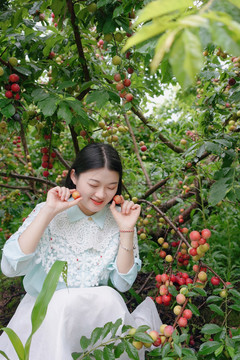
(76, 195)
(118, 199)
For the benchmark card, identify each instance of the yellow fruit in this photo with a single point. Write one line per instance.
(143, 236)
(161, 240)
(1, 71)
(169, 258)
(137, 344)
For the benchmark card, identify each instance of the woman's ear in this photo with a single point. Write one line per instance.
(73, 176)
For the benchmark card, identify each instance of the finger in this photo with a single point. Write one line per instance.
(127, 207)
(74, 202)
(113, 206)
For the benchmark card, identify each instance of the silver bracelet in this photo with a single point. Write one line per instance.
(127, 249)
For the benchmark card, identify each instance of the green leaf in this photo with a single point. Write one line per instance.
(41, 304)
(158, 8)
(218, 351)
(64, 112)
(235, 293)
(136, 296)
(106, 329)
(98, 96)
(218, 191)
(156, 352)
(216, 309)
(115, 326)
(85, 342)
(173, 291)
(165, 349)
(119, 350)
(16, 342)
(114, 97)
(98, 354)
(107, 354)
(209, 347)
(142, 336)
(8, 111)
(96, 334)
(131, 350)
(39, 95)
(211, 329)
(224, 37)
(200, 291)
(194, 309)
(183, 337)
(178, 349)
(24, 71)
(66, 84)
(48, 106)
(142, 328)
(235, 307)
(3, 353)
(190, 57)
(235, 2)
(213, 299)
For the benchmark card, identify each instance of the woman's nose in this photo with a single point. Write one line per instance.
(100, 193)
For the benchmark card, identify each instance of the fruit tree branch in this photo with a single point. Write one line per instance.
(25, 177)
(16, 187)
(78, 39)
(155, 187)
(139, 114)
(138, 155)
(61, 159)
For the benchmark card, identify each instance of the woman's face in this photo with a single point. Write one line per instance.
(97, 187)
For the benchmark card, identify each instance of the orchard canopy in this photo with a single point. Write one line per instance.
(159, 80)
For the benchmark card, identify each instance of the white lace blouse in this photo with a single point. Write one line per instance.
(88, 244)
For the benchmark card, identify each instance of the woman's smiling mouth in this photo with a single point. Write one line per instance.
(97, 202)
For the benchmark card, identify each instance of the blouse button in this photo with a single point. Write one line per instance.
(90, 218)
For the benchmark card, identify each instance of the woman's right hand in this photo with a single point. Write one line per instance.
(57, 199)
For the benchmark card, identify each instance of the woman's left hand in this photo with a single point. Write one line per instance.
(127, 217)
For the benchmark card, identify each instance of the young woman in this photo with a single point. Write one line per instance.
(97, 239)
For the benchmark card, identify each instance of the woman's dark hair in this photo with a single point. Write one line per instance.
(96, 156)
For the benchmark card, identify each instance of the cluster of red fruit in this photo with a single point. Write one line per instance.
(17, 149)
(193, 135)
(163, 283)
(12, 88)
(122, 85)
(199, 245)
(47, 161)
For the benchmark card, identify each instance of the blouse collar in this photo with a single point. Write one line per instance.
(74, 214)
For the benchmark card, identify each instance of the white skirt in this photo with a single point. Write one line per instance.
(71, 314)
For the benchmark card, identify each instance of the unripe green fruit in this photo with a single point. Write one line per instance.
(116, 60)
(108, 37)
(92, 7)
(132, 331)
(13, 61)
(118, 37)
(1, 71)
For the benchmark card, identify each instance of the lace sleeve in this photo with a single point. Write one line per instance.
(14, 261)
